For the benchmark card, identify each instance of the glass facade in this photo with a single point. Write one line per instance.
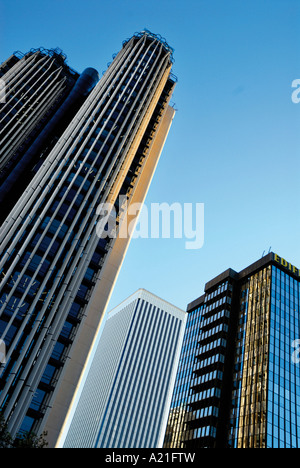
(249, 413)
(267, 378)
(283, 411)
(259, 385)
(176, 428)
(197, 404)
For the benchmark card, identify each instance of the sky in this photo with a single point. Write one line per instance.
(234, 143)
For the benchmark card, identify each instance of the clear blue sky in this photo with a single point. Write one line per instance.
(234, 144)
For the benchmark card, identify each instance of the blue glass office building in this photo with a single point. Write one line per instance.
(238, 382)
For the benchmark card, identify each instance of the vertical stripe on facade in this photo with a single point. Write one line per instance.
(50, 238)
(139, 390)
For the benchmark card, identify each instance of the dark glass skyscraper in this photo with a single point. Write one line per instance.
(238, 382)
(78, 143)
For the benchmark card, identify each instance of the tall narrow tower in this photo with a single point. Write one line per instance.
(57, 270)
(137, 356)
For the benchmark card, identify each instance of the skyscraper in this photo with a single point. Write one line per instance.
(126, 397)
(101, 140)
(238, 382)
(42, 95)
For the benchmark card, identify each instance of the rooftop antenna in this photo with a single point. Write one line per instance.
(263, 254)
(270, 249)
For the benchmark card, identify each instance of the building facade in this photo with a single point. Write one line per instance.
(125, 399)
(41, 91)
(238, 382)
(100, 141)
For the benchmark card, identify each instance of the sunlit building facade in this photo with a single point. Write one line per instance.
(238, 382)
(101, 139)
(125, 400)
